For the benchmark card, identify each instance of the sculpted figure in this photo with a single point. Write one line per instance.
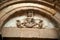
(41, 24)
(18, 23)
(29, 21)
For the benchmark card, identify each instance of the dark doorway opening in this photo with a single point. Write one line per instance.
(12, 38)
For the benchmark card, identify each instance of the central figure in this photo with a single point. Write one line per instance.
(29, 21)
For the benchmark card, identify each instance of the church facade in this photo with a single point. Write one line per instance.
(30, 19)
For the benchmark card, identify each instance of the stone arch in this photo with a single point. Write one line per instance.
(36, 6)
(5, 14)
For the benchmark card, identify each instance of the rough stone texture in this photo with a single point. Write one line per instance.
(29, 32)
